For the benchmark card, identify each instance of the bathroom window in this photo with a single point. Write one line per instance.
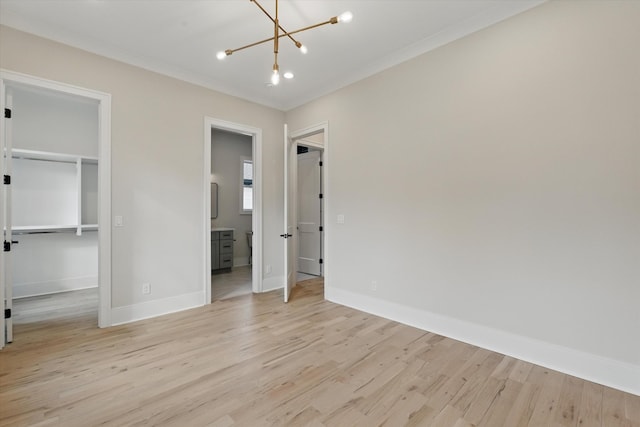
(246, 186)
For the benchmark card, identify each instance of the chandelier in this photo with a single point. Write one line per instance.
(278, 33)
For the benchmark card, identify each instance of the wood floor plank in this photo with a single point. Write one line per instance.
(590, 412)
(523, 406)
(632, 408)
(501, 405)
(613, 409)
(486, 398)
(547, 401)
(253, 361)
(569, 401)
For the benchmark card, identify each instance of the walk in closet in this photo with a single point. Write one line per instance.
(54, 201)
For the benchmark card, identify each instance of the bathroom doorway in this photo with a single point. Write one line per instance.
(233, 205)
(231, 214)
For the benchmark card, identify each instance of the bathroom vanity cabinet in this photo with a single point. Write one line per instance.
(221, 249)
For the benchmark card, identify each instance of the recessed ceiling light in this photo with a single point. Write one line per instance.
(288, 75)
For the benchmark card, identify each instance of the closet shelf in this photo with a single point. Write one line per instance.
(19, 153)
(56, 228)
(54, 192)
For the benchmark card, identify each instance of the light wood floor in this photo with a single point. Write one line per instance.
(253, 361)
(238, 281)
(232, 283)
(62, 306)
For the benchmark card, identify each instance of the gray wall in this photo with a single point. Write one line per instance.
(47, 121)
(157, 165)
(504, 168)
(227, 150)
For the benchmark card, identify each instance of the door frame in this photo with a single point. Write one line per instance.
(296, 136)
(211, 123)
(104, 175)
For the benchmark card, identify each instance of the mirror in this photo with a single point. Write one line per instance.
(214, 200)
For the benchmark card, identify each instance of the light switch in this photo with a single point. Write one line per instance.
(340, 219)
(118, 221)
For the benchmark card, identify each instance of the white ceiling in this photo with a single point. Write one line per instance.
(180, 38)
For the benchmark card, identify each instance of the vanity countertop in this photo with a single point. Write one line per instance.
(222, 229)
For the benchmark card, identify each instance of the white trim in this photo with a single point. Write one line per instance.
(502, 11)
(272, 283)
(610, 372)
(3, 192)
(24, 290)
(256, 218)
(104, 177)
(240, 261)
(154, 308)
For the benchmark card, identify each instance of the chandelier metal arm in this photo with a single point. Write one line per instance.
(276, 39)
(278, 32)
(296, 42)
(330, 21)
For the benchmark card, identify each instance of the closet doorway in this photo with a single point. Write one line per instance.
(310, 206)
(304, 236)
(233, 205)
(55, 142)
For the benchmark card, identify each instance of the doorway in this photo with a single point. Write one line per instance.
(312, 138)
(231, 214)
(55, 141)
(233, 209)
(309, 209)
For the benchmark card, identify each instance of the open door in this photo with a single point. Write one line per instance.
(6, 287)
(309, 218)
(290, 164)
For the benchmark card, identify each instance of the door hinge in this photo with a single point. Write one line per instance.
(321, 228)
(7, 113)
(321, 195)
(7, 179)
(320, 162)
(7, 313)
(321, 261)
(7, 246)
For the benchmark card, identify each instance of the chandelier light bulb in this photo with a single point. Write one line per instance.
(280, 32)
(275, 78)
(345, 17)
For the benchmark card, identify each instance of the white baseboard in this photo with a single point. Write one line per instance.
(272, 283)
(23, 290)
(241, 261)
(609, 372)
(148, 309)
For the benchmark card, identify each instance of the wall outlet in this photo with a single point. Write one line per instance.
(374, 285)
(146, 288)
(340, 219)
(268, 269)
(118, 221)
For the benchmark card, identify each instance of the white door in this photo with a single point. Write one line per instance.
(6, 286)
(309, 223)
(288, 236)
